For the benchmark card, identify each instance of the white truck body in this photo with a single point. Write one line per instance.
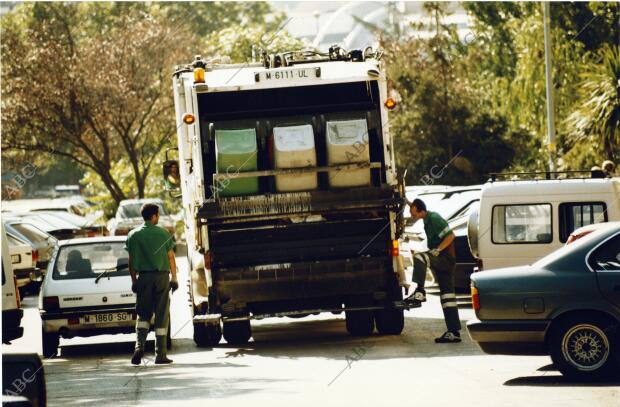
(272, 244)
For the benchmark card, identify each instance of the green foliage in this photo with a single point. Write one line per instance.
(90, 82)
(506, 54)
(596, 120)
(446, 129)
(238, 43)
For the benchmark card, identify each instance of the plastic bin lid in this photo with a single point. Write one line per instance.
(294, 138)
(239, 141)
(347, 131)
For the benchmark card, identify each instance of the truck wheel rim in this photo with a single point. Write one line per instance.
(586, 347)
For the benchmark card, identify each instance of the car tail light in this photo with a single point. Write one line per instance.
(475, 298)
(35, 256)
(74, 321)
(17, 296)
(394, 248)
(51, 303)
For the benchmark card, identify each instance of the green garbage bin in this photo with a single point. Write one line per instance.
(236, 151)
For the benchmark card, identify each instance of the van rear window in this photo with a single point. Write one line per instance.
(574, 215)
(523, 223)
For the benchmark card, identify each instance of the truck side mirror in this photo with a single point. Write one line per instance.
(172, 177)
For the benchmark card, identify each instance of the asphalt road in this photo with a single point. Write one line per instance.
(310, 361)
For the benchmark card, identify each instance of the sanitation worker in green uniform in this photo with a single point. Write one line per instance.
(441, 258)
(153, 273)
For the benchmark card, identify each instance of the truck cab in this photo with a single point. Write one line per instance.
(291, 201)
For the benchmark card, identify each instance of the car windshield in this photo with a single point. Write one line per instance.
(448, 203)
(133, 210)
(90, 260)
(31, 232)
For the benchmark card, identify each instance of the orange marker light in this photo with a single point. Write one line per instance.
(188, 118)
(390, 103)
(199, 75)
(394, 248)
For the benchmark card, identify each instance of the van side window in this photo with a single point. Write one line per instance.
(529, 223)
(574, 215)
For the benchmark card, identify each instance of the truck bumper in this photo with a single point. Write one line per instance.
(308, 285)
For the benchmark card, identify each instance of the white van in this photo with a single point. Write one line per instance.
(518, 222)
(11, 305)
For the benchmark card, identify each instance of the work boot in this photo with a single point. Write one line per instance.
(136, 359)
(160, 350)
(162, 360)
(449, 337)
(416, 299)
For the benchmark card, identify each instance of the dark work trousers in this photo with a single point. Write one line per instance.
(444, 266)
(153, 298)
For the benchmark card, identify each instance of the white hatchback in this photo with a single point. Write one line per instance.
(87, 291)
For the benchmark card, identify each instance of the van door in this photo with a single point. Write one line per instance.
(605, 261)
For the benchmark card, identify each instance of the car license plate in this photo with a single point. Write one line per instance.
(106, 318)
(288, 74)
(16, 258)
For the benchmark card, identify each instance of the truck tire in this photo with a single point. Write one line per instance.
(237, 332)
(360, 323)
(583, 349)
(50, 343)
(390, 321)
(207, 335)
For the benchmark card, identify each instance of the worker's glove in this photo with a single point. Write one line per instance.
(134, 287)
(435, 252)
(174, 285)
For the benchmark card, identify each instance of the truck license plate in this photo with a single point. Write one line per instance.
(288, 74)
(106, 318)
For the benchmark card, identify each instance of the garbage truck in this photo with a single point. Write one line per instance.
(291, 200)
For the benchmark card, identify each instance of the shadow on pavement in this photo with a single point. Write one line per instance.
(329, 339)
(558, 381)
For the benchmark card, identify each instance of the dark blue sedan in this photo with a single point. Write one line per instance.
(566, 305)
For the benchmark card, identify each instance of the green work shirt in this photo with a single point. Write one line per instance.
(148, 247)
(436, 229)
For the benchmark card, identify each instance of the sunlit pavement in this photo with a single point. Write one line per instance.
(310, 361)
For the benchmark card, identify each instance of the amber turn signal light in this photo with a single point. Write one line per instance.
(199, 75)
(390, 104)
(188, 118)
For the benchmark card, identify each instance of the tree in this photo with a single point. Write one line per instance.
(596, 121)
(88, 91)
(442, 130)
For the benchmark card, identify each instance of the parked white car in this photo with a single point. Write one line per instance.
(87, 291)
(12, 312)
(24, 260)
(128, 217)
